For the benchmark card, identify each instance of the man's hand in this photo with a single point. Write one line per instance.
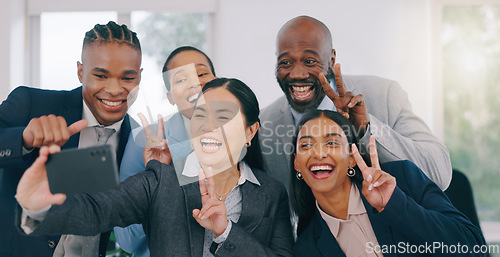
(378, 185)
(351, 106)
(48, 130)
(33, 191)
(156, 146)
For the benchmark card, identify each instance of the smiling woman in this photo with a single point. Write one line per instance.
(346, 207)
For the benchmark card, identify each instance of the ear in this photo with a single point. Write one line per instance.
(333, 56)
(140, 76)
(170, 98)
(251, 131)
(79, 67)
(351, 160)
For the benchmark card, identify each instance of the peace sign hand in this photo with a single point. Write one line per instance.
(351, 106)
(212, 215)
(378, 185)
(156, 146)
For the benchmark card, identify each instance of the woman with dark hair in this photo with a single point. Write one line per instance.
(347, 208)
(232, 209)
(186, 70)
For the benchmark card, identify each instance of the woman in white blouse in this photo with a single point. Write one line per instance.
(348, 208)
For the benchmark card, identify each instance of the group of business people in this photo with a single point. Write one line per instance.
(214, 179)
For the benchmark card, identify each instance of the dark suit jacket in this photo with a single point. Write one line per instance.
(418, 213)
(22, 105)
(155, 199)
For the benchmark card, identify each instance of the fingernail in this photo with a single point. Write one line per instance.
(376, 184)
(369, 178)
(370, 187)
(199, 216)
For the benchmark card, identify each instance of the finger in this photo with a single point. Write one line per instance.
(356, 100)
(206, 206)
(374, 177)
(35, 129)
(58, 199)
(357, 157)
(196, 212)
(384, 178)
(54, 148)
(339, 81)
(373, 153)
(77, 127)
(213, 210)
(327, 88)
(160, 132)
(147, 129)
(48, 138)
(210, 183)
(203, 183)
(63, 127)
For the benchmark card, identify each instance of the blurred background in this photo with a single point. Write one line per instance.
(444, 53)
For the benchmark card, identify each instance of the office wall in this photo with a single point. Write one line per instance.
(387, 38)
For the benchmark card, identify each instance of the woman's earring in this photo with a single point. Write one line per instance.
(351, 172)
(298, 175)
(248, 144)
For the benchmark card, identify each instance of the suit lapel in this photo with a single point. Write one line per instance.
(253, 203)
(326, 243)
(289, 126)
(177, 130)
(73, 109)
(192, 197)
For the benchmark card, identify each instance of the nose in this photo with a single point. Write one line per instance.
(208, 124)
(299, 72)
(115, 88)
(319, 151)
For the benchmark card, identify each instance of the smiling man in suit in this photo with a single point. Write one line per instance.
(305, 69)
(110, 70)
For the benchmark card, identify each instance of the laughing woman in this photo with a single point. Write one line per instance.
(232, 209)
(348, 208)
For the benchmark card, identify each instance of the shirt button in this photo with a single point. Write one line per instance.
(51, 243)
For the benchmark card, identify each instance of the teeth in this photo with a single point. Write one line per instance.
(301, 89)
(209, 141)
(110, 103)
(192, 98)
(322, 167)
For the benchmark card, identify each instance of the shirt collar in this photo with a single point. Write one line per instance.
(355, 207)
(92, 121)
(192, 167)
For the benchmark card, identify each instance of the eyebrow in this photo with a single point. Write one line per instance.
(130, 72)
(97, 69)
(200, 108)
(201, 64)
(333, 135)
(305, 137)
(281, 55)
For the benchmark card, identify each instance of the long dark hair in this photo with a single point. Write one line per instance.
(301, 196)
(249, 108)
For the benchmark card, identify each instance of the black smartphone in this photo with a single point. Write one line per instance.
(83, 170)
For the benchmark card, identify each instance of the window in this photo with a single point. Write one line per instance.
(160, 34)
(61, 41)
(470, 41)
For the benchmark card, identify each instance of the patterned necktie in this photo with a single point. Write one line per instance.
(103, 134)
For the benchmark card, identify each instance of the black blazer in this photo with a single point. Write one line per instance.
(155, 199)
(22, 105)
(418, 214)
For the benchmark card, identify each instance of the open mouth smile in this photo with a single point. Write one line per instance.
(321, 171)
(302, 93)
(193, 98)
(210, 145)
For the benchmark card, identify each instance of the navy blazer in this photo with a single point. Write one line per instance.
(22, 105)
(418, 213)
(155, 199)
